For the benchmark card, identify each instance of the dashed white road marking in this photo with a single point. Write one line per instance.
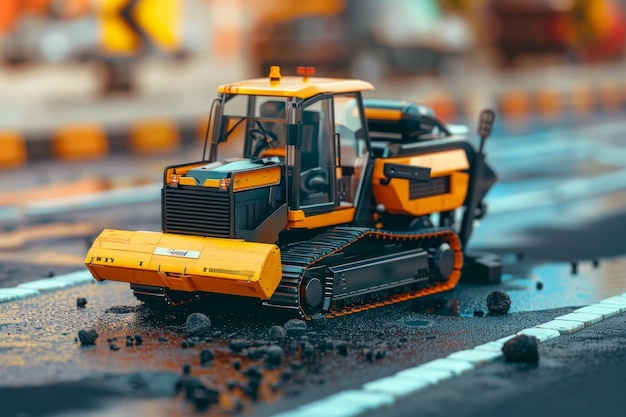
(41, 286)
(563, 326)
(585, 318)
(542, 335)
(607, 310)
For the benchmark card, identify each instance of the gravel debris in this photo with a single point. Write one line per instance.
(277, 334)
(87, 337)
(237, 345)
(295, 327)
(81, 302)
(342, 347)
(138, 339)
(206, 356)
(122, 309)
(498, 302)
(198, 324)
(162, 339)
(274, 355)
(318, 320)
(521, 348)
(114, 347)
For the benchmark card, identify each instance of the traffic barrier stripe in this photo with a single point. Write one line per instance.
(80, 142)
(582, 100)
(515, 104)
(12, 149)
(162, 136)
(154, 137)
(549, 103)
(611, 96)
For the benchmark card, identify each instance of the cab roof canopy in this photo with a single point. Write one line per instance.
(292, 86)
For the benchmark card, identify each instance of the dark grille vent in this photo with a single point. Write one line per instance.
(436, 186)
(197, 211)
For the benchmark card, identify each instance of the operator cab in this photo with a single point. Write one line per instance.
(314, 127)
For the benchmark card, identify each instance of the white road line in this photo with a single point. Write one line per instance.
(606, 310)
(412, 380)
(563, 326)
(41, 286)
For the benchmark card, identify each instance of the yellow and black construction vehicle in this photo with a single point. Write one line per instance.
(311, 198)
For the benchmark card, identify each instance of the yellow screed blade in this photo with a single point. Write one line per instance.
(186, 263)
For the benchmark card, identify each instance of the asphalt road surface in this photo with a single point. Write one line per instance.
(561, 199)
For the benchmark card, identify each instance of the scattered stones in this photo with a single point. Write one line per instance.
(81, 302)
(253, 372)
(122, 309)
(318, 320)
(277, 334)
(521, 348)
(374, 354)
(236, 364)
(162, 339)
(274, 355)
(197, 393)
(184, 344)
(130, 341)
(306, 349)
(198, 324)
(138, 339)
(231, 384)
(286, 374)
(255, 353)
(498, 302)
(206, 356)
(295, 327)
(87, 337)
(342, 347)
(479, 313)
(237, 345)
(111, 339)
(186, 369)
(113, 347)
(294, 345)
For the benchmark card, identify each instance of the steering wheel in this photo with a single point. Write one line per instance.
(313, 180)
(264, 139)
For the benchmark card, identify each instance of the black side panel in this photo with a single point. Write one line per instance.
(374, 274)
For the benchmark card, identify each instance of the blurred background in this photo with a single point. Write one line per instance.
(105, 44)
(87, 79)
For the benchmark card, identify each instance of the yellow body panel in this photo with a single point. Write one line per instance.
(295, 86)
(297, 220)
(396, 197)
(186, 263)
(256, 178)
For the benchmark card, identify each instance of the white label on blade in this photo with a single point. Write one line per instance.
(177, 252)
